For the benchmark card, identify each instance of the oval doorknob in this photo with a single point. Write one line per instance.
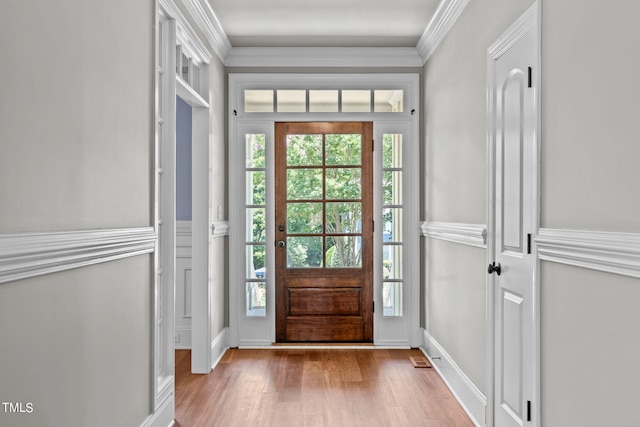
(281, 243)
(493, 268)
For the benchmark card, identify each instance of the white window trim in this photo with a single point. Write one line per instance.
(246, 331)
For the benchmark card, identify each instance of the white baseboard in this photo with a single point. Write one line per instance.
(472, 400)
(219, 346)
(183, 341)
(164, 414)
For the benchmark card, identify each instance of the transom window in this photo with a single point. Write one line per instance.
(323, 101)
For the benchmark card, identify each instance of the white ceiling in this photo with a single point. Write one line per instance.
(328, 23)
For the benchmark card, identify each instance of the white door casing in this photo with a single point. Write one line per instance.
(513, 214)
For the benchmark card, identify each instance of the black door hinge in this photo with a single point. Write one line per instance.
(528, 243)
(528, 410)
(373, 306)
(530, 72)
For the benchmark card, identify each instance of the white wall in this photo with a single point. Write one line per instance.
(590, 97)
(217, 100)
(456, 184)
(590, 179)
(75, 114)
(75, 135)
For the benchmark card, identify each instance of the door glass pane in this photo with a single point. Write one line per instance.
(344, 251)
(304, 150)
(304, 218)
(323, 101)
(356, 101)
(343, 183)
(255, 188)
(344, 217)
(392, 224)
(345, 149)
(392, 261)
(292, 101)
(304, 252)
(255, 150)
(258, 101)
(255, 262)
(392, 299)
(304, 184)
(392, 151)
(392, 187)
(256, 298)
(256, 225)
(388, 101)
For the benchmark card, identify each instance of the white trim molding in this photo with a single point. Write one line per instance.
(163, 416)
(324, 57)
(611, 252)
(466, 234)
(219, 346)
(28, 255)
(472, 400)
(208, 22)
(220, 228)
(445, 16)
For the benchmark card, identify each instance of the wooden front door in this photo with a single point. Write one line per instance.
(324, 232)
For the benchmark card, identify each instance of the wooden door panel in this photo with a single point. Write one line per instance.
(325, 328)
(314, 301)
(324, 232)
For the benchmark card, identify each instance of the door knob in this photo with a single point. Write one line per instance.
(281, 243)
(493, 268)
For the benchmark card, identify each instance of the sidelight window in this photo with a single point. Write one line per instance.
(392, 225)
(255, 224)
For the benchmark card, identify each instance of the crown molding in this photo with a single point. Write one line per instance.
(443, 19)
(611, 252)
(324, 57)
(208, 22)
(185, 33)
(28, 255)
(446, 14)
(466, 234)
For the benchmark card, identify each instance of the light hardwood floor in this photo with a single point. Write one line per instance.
(302, 387)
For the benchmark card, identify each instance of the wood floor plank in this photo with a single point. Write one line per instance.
(314, 388)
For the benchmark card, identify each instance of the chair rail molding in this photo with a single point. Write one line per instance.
(220, 228)
(611, 252)
(466, 234)
(26, 255)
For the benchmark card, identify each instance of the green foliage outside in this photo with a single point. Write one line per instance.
(304, 184)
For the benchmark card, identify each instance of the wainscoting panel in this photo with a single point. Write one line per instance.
(183, 285)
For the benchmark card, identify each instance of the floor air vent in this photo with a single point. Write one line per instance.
(420, 362)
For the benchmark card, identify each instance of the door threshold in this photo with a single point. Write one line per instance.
(324, 346)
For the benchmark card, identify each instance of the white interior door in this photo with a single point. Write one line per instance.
(512, 268)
